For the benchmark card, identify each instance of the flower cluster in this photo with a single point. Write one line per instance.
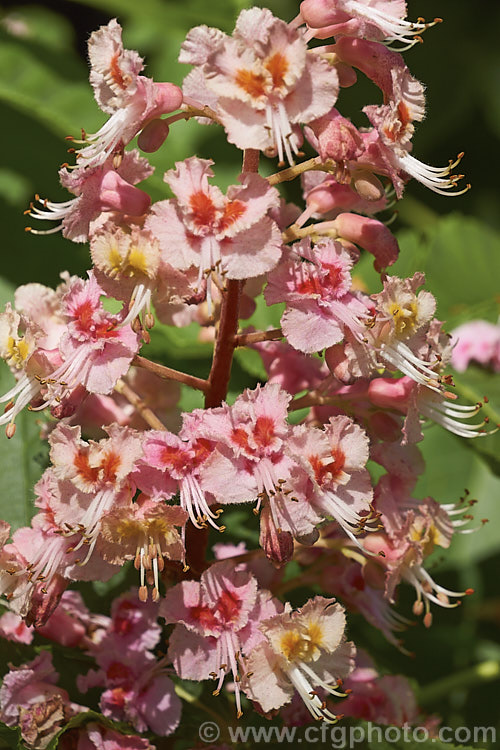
(351, 377)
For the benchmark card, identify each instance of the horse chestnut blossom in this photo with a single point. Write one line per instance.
(263, 82)
(302, 650)
(309, 418)
(382, 20)
(218, 621)
(132, 100)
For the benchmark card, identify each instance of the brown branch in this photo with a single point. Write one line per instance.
(149, 416)
(250, 160)
(218, 380)
(168, 374)
(244, 339)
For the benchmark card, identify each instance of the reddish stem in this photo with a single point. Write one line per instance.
(218, 380)
(244, 339)
(169, 374)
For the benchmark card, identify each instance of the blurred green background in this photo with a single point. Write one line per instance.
(45, 96)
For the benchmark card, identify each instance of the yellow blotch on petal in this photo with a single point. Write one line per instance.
(17, 351)
(404, 317)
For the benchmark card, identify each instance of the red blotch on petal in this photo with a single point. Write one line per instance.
(203, 209)
(264, 431)
(233, 210)
(116, 73)
(204, 616)
(228, 606)
(110, 466)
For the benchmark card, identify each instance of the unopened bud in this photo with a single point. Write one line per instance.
(10, 430)
(153, 136)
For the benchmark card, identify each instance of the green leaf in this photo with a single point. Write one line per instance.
(50, 85)
(10, 738)
(475, 385)
(460, 257)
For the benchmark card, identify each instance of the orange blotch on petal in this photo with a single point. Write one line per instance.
(277, 65)
(85, 471)
(252, 83)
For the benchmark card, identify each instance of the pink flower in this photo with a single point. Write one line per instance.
(316, 288)
(93, 351)
(412, 531)
(128, 264)
(251, 463)
(373, 19)
(202, 228)
(102, 188)
(387, 699)
(72, 624)
(262, 81)
(100, 471)
(171, 462)
(334, 460)
(13, 628)
(30, 699)
(144, 531)
(414, 400)
(476, 341)
(290, 369)
(137, 690)
(303, 650)
(217, 620)
(132, 100)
